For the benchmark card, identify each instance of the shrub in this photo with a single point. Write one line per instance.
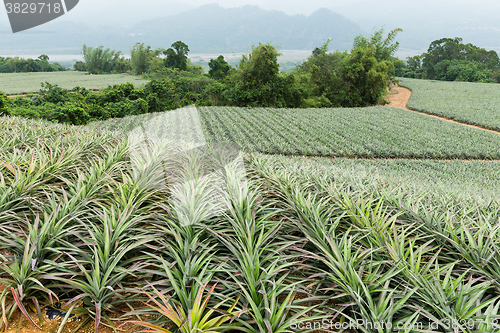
(4, 104)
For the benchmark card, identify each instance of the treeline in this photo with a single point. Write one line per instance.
(98, 60)
(337, 79)
(22, 65)
(450, 59)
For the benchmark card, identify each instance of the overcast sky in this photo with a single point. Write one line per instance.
(422, 20)
(309, 6)
(366, 13)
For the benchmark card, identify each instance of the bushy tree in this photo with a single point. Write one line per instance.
(4, 104)
(342, 79)
(365, 78)
(256, 81)
(219, 68)
(142, 57)
(99, 60)
(450, 59)
(384, 48)
(177, 56)
(321, 76)
(80, 66)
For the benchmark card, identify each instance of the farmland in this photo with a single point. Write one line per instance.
(24, 83)
(377, 132)
(302, 231)
(462, 179)
(366, 132)
(471, 103)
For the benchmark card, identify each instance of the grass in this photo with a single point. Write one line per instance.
(376, 132)
(471, 103)
(25, 83)
(299, 239)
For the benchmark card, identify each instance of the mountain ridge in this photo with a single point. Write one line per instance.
(206, 29)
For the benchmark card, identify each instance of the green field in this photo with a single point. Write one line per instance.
(393, 241)
(376, 132)
(467, 179)
(471, 103)
(25, 83)
(362, 132)
(386, 215)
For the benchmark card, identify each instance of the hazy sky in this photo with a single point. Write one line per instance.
(309, 6)
(422, 20)
(367, 13)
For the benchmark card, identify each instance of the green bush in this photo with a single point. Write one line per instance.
(4, 104)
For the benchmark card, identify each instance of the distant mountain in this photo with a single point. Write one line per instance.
(206, 29)
(211, 28)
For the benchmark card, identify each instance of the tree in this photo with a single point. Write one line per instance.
(219, 68)
(4, 104)
(142, 57)
(384, 48)
(365, 78)
(80, 66)
(257, 80)
(450, 59)
(177, 56)
(322, 50)
(99, 60)
(43, 63)
(321, 75)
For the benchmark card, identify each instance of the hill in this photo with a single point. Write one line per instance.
(209, 28)
(236, 29)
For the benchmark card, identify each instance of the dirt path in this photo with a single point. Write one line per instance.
(14, 96)
(24, 95)
(398, 97)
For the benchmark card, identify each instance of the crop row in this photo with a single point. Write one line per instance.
(293, 243)
(362, 132)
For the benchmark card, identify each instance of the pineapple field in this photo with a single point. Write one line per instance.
(26, 83)
(102, 233)
(468, 102)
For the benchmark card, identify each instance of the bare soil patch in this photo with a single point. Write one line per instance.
(398, 97)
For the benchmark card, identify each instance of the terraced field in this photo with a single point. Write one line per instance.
(471, 103)
(24, 83)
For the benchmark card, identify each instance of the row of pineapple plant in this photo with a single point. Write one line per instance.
(286, 252)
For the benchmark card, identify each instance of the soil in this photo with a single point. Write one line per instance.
(51, 326)
(14, 96)
(398, 97)
(24, 95)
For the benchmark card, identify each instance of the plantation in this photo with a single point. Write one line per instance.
(362, 132)
(471, 103)
(25, 83)
(476, 180)
(293, 240)
(355, 132)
